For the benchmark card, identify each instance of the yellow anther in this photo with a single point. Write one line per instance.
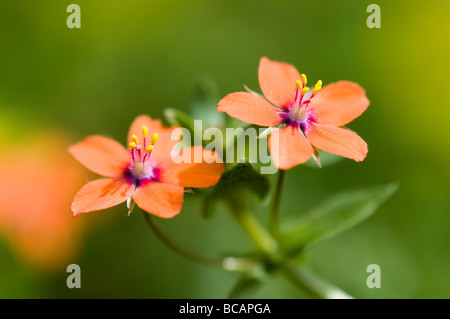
(148, 149)
(144, 131)
(304, 78)
(154, 138)
(298, 84)
(132, 144)
(135, 139)
(317, 87)
(305, 89)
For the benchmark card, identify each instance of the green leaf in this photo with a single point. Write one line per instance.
(337, 214)
(241, 179)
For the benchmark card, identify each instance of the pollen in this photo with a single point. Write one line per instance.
(304, 78)
(154, 138)
(140, 151)
(298, 84)
(305, 89)
(317, 87)
(144, 131)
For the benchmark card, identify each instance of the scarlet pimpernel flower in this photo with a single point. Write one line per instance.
(312, 117)
(145, 173)
(37, 183)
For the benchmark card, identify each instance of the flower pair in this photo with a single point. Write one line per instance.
(302, 120)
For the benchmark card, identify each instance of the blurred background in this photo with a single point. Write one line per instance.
(58, 85)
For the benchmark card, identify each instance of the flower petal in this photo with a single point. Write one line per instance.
(277, 81)
(168, 139)
(337, 140)
(249, 108)
(165, 143)
(339, 103)
(160, 199)
(101, 194)
(289, 147)
(101, 155)
(188, 173)
(153, 126)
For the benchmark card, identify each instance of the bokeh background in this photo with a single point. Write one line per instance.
(58, 85)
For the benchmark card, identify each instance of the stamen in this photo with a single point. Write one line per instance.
(139, 151)
(148, 150)
(304, 78)
(133, 146)
(298, 110)
(305, 89)
(317, 87)
(144, 131)
(154, 138)
(301, 89)
(298, 85)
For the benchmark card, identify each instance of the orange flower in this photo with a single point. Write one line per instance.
(38, 179)
(144, 173)
(312, 116)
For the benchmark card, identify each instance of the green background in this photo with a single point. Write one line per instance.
(139, 57)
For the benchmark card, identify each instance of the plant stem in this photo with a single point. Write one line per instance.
(274, 213)
(301, 277)
(227, 263)
(253, 228)
(314, 285)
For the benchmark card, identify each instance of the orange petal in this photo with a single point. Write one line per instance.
(162, 200)
(163, 148)
(277, 81)
(153, 126)
(101, 155)
(339, 103)
(191, 174)
(289, 147)
(101, 194)
(164, 145)
(337, 140)
(249, 108)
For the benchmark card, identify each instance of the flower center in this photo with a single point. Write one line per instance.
(141, 166)
(298, 110)
(297, 114)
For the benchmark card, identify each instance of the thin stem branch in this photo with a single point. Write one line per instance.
(227, 263)
(275, 211)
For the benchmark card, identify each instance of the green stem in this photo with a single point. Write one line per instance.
(253, 228)
(301, 277)
(311, 283)
(274, 213)
(227, 263)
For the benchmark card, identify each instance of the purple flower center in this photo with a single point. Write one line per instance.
(299, 112)
(141, 166)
